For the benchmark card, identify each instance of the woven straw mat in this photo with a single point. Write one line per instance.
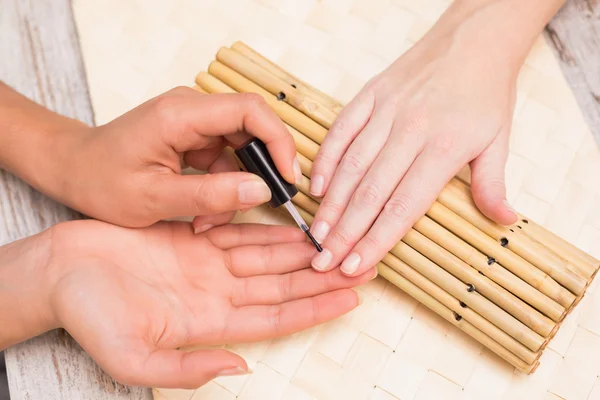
(389, 348)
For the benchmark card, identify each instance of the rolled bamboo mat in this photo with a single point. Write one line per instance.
(512, 291)
(391, 346)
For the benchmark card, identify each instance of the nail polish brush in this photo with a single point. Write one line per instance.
(256, 159)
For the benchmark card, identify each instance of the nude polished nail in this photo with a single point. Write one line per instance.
(320, 230)
(351, 263)
(317, 184)
(322, 260)
(234, 371)
(253, 192)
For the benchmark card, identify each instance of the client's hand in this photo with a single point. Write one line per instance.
(132, 297)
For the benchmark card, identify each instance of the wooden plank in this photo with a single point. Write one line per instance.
(40, 57)
(575, 35)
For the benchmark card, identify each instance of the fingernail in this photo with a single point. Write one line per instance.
(320, 230)
(507, 205)
(351, 263)
(297, 171)
(375, 274)
(322, 260)
(253, 192)
(203, 228)
(316, 185)
(234, 371)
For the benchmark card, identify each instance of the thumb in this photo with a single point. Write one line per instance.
(190, 370)
(488, 184)
(209, 194)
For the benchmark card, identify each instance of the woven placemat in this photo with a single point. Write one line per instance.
(389, 347)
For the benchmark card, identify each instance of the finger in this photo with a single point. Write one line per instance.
(276, 258)
(202, 159)
(225, 162)
(353, 167)
(236, 235)
(417, 191)
(185, 370)
(370, 197)
(203, 223)
(253, 323)
(210, 194)
(191, 116)
(346, 127)
(278, 289)
(487, 182)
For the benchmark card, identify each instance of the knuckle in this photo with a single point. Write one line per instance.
(343, 237)
(181, 90)
(164, 107)
(274, 318)
(316, 310)
(324, 157)
(329, 281)
(368, 195)
(339, 127)
(398, 207)
(331, 207)
(205, 198)
(285, 288)
(353, 165)
(372, 242)
(443, 146)
(253, 100)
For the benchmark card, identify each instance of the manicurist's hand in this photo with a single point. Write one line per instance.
(445, 103)
(133, 297)
(128, 172)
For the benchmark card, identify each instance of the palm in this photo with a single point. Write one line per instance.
(131, 297)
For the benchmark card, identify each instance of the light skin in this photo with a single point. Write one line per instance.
(446, 103)
(133, 297)
(128, 172)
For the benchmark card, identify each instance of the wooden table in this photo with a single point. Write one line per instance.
(40, 57)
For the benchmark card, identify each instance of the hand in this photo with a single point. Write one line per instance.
(133, 297)
(443, 104)
(128, 172)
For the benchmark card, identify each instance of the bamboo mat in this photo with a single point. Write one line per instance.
(389, 347)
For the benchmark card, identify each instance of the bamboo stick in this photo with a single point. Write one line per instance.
(473, 299)
(583, 262)
(305, 164)
(276, 86)
(519, 244)
(285, 76)
(530, 317)
(457, 312)
(489, 267)
(508, 259)
(430, 302)
(286, 112)
(308, 204)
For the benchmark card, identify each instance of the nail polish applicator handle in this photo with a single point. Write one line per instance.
(256, 159)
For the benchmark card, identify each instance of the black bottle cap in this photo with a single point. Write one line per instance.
(257, 160)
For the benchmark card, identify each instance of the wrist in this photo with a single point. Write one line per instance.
(56, 152)
(37, 144)
(494, 35)
(26, 289)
